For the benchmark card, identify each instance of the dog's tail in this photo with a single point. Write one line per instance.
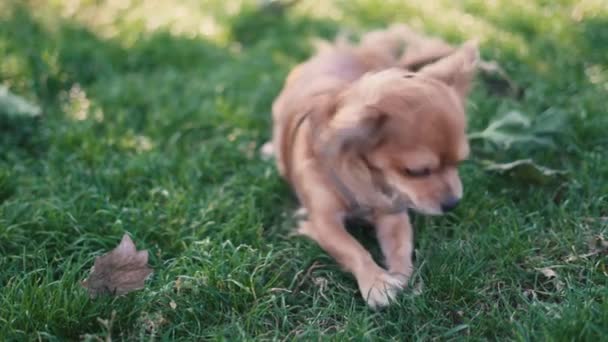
(342, 40)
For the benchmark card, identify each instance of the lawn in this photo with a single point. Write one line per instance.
(152, 116)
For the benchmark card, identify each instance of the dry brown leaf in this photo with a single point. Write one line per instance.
(547, 272)
(552, 277)
(598, 245)
(151, 322)
(321, 283)
(120, 271)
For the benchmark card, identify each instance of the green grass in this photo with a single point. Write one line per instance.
(152, 120)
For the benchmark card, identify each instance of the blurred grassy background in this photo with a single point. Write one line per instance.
(152, 115)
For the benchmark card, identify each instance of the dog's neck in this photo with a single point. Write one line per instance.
(392, 201)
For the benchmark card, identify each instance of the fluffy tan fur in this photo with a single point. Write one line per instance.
(357, 125)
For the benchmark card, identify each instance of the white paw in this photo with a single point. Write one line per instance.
(301, 213)
(380, 290)
(267, 150)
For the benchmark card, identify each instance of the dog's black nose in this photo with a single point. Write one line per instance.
(449, 204)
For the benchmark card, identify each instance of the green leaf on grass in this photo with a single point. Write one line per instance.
(525, 170)
(514, 127)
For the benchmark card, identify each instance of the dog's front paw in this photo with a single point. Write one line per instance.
(267, 151)
(380, 288)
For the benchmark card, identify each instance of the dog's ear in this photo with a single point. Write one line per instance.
(457, 69)
(353, 131)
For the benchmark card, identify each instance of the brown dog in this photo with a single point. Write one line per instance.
(357, 133)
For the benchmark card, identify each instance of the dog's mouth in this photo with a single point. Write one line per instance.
(434, 209)
(400, 201)
(427, 210)
(397, 200)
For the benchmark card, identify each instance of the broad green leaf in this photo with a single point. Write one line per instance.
(526, 170)
(514, 127)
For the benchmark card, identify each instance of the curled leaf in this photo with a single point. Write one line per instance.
(525, 170)
(120, 271)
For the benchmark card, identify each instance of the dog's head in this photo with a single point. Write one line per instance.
(409, 128)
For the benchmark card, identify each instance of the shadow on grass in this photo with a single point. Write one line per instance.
(55, 54)
(70, 53)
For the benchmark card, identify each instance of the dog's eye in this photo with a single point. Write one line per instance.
(418, 172)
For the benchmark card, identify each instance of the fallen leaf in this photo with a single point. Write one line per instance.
(120, 271)
(178, 284)
(525, 170)
(598, 245)
(552, 277)
(516, 128)
(173, 305)
(547, 272)
(511, 128)
(152, 322)
(530, 294)
(321, 283)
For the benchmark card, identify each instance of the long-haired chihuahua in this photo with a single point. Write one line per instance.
(370, 130)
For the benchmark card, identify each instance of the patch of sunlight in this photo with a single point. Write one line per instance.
(5, 8)
(138, 143)
(584, 9)
(442, 15)
(11, 65)
(190, 18)
(499, 6)
(321, 9)
(597, 74)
